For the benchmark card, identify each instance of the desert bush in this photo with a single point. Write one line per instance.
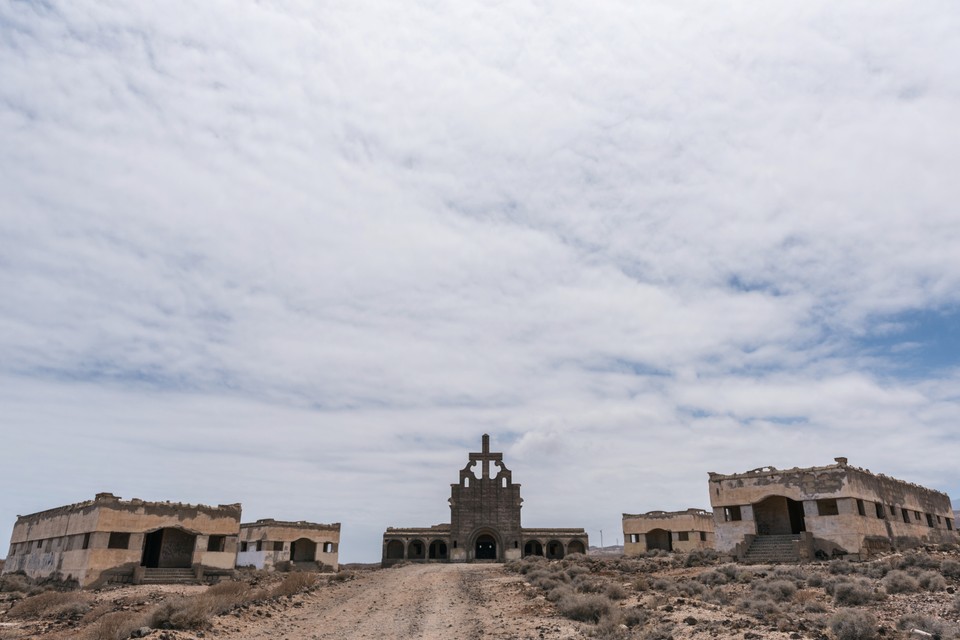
(340, 576)
(852, 593)
(797, 574)
(293, 583)
(691, 588)
(634, 616)
(662, 584)
(713, 578)
(716, 595)
(899, 582)
(933, 626)
(186, 612)
(931, 581)
(918, 559)
(584, 607)
(584, 584)
(15, 582)
(815, 580)
(615, 591)
(853, 624)
(700, 558)
(759, 606)
(51, 604)
(779, 590)
(840, 567)
(950, 568)
(118, 625)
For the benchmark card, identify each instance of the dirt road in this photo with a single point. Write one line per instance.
(428, 602)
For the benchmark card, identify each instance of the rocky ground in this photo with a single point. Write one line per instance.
(911, 595)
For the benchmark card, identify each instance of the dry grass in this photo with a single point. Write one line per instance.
(294, 583)
(117, 625)
(51, 604)
(186, 612)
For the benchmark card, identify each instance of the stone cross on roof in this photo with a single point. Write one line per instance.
(486, 457)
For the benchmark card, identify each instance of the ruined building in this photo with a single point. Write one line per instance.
(667, 530)
(275, 544)
(109, 539)
(797, 514)
(484, 523)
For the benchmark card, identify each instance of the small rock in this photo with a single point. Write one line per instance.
(690, 620)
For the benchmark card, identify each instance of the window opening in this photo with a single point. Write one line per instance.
(828, 507)
(216, 543)
(86, 541)
(732, 514)
(881, 513)
(683, 536)
(861, 509)
(118, 540)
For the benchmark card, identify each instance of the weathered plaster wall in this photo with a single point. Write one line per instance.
(693, 522)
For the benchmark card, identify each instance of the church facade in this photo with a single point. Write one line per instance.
(484, 523)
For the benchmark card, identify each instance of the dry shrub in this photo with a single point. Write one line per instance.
(118, 625)
(918, 559)
(662, 631)
(848, 592)
(13, 582)
(853, 624)
(759, 606)
(341, 576)
(51, 604)
(931, 581)
(900, 582)
(950, 568)
(700, 558)
(615, 591)
(585, 607)
(933, 626)
(713, 578)
(779, 590)
(294, 583)
(194, 612)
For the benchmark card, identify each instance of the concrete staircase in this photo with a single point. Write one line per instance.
(169, 576)
(769, 549)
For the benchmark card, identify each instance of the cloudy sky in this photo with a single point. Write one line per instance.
(301, 255)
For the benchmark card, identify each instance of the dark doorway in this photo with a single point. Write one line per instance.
(438, 550)
(303, 550)
(168, 549)
(554, 550)
(486, 548)
(659, 539)
(395, 550)
(575, 546)
(778, 516)
(533, 548)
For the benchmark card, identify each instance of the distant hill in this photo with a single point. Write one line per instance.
(612, 550)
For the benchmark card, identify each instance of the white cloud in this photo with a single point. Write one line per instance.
(302, 256)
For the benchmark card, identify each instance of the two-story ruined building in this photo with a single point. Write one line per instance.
(484, 522)
(796, 514)
(109, 539)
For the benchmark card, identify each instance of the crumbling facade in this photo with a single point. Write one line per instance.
(827, 511)
(276, 544)
(667, 530)
(110, 539)
(484, 523)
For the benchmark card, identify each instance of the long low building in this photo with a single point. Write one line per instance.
(834, 510)
(667, 530)
(110, 539)
(272, 544)
(484, 523)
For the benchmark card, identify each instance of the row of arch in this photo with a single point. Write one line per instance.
(485, 549)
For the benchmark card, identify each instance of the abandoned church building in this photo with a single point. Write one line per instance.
(667, 530)
(484, 523)
(112, 540)
(275, 544)
(801, 514)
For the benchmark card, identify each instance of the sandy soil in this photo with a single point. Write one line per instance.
(428, 602)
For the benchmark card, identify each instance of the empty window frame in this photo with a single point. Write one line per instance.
(881, 512)
(906, 516)
(732, 514)
(278, 545)
(703, 536)
(243, 547)
(683, 536)
(259, 545)
(216, 543)
(828, 507)
(329, 547)
(929, 520)
(118, 540)
(86, 541)
(861, 508)
(916, 516)
(949, 522)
